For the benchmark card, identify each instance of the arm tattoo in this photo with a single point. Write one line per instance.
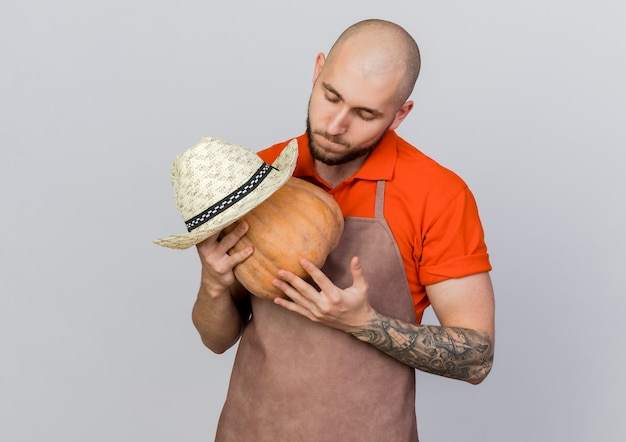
(453, 352)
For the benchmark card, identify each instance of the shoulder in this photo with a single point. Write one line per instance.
(424, 175)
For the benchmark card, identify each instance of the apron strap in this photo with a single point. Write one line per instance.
(380, 199)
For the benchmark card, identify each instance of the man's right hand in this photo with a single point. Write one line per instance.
(217, 264)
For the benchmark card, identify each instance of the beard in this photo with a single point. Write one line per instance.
(334, 160)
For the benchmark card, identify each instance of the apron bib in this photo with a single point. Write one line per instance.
(297, 380)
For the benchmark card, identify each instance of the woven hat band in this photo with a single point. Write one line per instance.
(230, 199)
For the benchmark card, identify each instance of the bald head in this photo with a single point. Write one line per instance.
(380, 48)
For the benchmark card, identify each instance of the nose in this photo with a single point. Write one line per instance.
(338, 122)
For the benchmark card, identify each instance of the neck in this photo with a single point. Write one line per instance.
(333, 175)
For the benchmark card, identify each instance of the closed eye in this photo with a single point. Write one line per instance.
(364, 113)
(332, 98)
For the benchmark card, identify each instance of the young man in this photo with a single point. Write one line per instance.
(336, 362)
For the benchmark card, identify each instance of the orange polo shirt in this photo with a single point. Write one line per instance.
(430, 210)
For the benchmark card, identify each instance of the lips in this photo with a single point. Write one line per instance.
(330, 144)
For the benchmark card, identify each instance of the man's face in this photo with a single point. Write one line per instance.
(333, 157)
(349, 112)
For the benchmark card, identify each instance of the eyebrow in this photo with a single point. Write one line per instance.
(332, 90)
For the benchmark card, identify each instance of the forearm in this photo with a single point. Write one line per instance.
(218, 319)
(452, 352)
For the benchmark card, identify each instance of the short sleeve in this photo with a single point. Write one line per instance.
(453, 245)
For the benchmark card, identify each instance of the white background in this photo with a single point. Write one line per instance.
(524, 99)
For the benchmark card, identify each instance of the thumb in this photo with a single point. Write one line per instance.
(358, 276)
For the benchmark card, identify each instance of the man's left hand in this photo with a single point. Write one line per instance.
(344, 309)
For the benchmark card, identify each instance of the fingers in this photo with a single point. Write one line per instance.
(291, 285)
(358, 276)
(217, 264)
(341, 308)
(219, 247)
(316, 274)
(295, 287)
(207, 245)
(222, 241)
(299, 298)
(231, 238)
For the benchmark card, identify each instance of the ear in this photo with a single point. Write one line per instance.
(401, 114)
(319, 64)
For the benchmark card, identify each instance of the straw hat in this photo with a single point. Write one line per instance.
(216, 183)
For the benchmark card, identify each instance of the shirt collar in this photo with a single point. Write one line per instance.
(382, 161)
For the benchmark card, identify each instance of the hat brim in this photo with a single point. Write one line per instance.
(282, 170)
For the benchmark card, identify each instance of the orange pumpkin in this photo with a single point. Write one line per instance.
(299, 220)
